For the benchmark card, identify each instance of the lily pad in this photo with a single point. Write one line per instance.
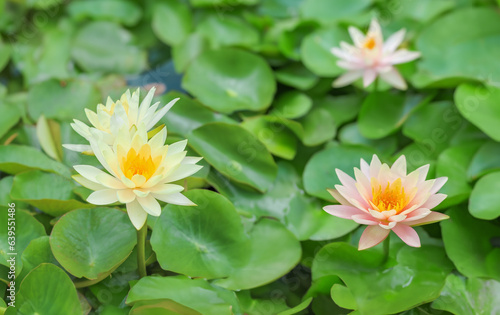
(207, 240)
(230, 79)
(124, 12)
(236, 153)
(92, 242)
(171, 21)
(292, 105)
(228, 30)
(484, 161)
(484, 200)
(331, 11)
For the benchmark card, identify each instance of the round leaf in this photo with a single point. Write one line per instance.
(292, 105)
(48, 290)
(330, 11)
(189, 49)
(236, 153)
(485, 160)
(16, 159)
(125, 12)
(484, 200)
(319, 174)
(297, 76)
(171, 21)
(228, 31)
(90, 242)
(229, 79)
(319, 127)
(274, 251)
(207, 240)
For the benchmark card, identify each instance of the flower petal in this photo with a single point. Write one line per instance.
(407, 234)
(125, 195)
(401, 56)
(418, 214)
(434, 200)
(393, 42)
(431, 218)
(103, 197)
(136, 214)
(368, 77)
(87, 183)
(365, 219)
(358, 38)
(341, 211)
(399, 167)
(175, 199)
(347, 78)
(150, 205)
(372, 236)
(338, 197)
(438, 183)
(394, 79)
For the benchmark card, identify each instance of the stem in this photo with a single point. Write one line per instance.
(141, 252)
(387, 243)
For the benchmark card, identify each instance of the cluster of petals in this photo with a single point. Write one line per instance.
(370, 57)
(108, 119)
(387, 198)
(137, 170)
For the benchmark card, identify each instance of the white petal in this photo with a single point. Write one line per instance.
(146, 102)
(103, 197)
(136, 214)
(368, 77)
(401, 56)
(394, 78)
(392, 43)
(357, 36)
(109, 181)
(399, 167)
(87, 183)
(150, 205)
(176, 199)
(176, 147)
(347, 78)
(165, 189)
(158, 115)
(183, 171)
(125, 195)
(77, 147)
(89, 172)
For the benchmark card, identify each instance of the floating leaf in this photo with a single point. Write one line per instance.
(228, 30)
(124, 12)
(188, 50)
(171, 21)
(49, 135)
(9, 118)
(207, 240)
(92, 242)
(236, 153)
(229, 79)
(484, 200)
(485, 160)
(292, 105)
(297, 76)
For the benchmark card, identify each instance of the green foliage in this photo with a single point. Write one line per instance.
(254, 82)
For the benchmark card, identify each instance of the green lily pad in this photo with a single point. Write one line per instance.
(230, 79)
(236, 153)
(188, 50)
(48, 133)
(478, 104)
(277, 138)
(196, 294)
(319, 127)
(124, 12)
(459, 46)
(58, 295)
(49, 192)
(382, 113)
(315, 51)
(350, 135)
(484, 161)
(92, 242)
(36, 253)
(171, 21)
(484, 200)
(10, 117)
(207, 240)
(474, 296)
(343, 108)
(62, 101)
(468, 244)
(228, 30)
(331, 11)
(292, 105)
(410, 277)
(319, 174)
(188, 114)
(27, 228)
(268, 240)
(104, 46)
(5, 52)
(297, 76)
(453, 163)
(161, 307)
(221, 4)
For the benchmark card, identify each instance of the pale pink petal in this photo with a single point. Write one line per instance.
(345, 179)
(338, 197)
(376, 31)
(357, 36)
(352, 196)
(394, 79)
(348, 53)
(407, 234)
(363, 184)
(392, 43)
(347, 78)
(434, 200)
(397, 218)
(422, 172)
(365, 168)
(401, 56)
(385, 176)
(341, 211)
(350, 65)
(376, 214)
(364, 219)
(418, 214)
(368, 77)
(399, 167)
(375, 166)
(431, 218)
(387, 225)
(438, 183)
(372, 236)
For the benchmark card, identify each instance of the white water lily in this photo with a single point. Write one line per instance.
(371, 57)
(139, 172)
(108, 119)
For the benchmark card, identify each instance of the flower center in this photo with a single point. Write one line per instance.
(370, 43)
(139, 163)
(392, 197)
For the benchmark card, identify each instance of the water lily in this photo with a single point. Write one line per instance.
(371, 57)
(109, 118)
(139, 172)
(386, 198)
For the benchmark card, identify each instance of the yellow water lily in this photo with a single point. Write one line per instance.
(139, 172)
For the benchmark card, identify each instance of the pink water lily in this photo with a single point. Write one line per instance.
(371, 57)
(386, 198)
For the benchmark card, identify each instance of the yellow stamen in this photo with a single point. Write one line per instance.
(393, 197)
(370, 43)
(139, 163)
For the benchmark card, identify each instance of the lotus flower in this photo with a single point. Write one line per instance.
(110, 118)
(386, 198)
(139, 172)
(371, 57)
